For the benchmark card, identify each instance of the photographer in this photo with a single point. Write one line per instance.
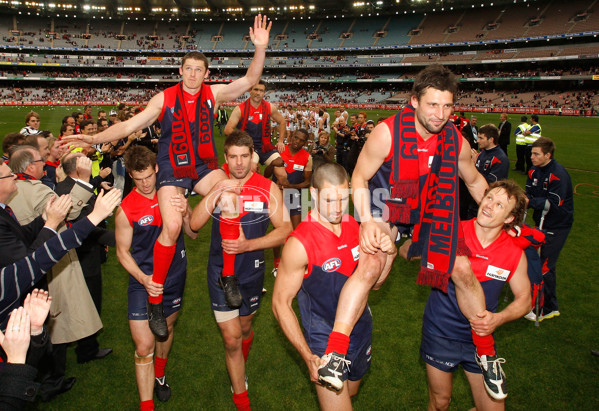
(342, 141)
(322, 152)
(358, 138)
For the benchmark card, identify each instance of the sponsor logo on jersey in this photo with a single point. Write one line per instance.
(177, 300)
(497, 273)
(330, 265)
(369, 350)
(254, 299)
(341, 247)
(146, 220)
(355, 252)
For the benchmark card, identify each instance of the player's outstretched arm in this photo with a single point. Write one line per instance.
(371, 158)
(290, 276)
(476, 183)
(259, 35)
(277, 214)
(488, 322)
(125, 128)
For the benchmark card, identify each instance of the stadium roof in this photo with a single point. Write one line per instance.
(221, 9)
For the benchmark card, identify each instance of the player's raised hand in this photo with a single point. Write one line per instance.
(261, 32)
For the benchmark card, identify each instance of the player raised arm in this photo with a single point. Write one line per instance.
(259, 35)
(125, 128)
(287, 284)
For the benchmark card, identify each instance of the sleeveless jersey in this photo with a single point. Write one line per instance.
(382, 178)
(331, 261)
(144, 216)
(169, 118)
(493, 266)
(295, 164)
(254, 202)
(254, 124)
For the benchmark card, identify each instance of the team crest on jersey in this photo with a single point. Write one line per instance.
(497, 273)
(254, 299)
(330, 265)
(177, 300)
(145, 220)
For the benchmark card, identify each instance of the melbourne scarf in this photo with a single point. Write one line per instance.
(184, 133)
(264, 125)
(433, 206)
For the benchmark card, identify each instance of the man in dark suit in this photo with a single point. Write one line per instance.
(470, 132)
(91, 255)
(18, 241)
(505, 131)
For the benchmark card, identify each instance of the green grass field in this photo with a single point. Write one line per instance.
(549, 367)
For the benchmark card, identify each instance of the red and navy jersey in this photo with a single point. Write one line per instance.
(493, 266)
(295, 164)
(493, 164)
(171, 119)
(382, 178)
(254, 202)
(144, 216)
(332, 260)
(254, 121)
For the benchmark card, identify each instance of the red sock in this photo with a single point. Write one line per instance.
(484, 345)
(159, 366)
(338, 342)
(277, 261)
(229, 230)
(163, 257)
(246, 345)
(147, 405)
(242, 401)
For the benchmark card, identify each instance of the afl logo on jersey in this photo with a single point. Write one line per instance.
(146, 220)
(330, 265)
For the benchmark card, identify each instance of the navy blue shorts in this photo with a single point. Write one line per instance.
(265, 156)
(445, 354)
(172, 299)
(251, 293)
(359, 353)
(166, 175)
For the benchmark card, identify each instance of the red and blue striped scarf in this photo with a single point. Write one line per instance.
(181, 145)
(437, 236)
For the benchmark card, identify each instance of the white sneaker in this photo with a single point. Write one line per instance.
(531, 316)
